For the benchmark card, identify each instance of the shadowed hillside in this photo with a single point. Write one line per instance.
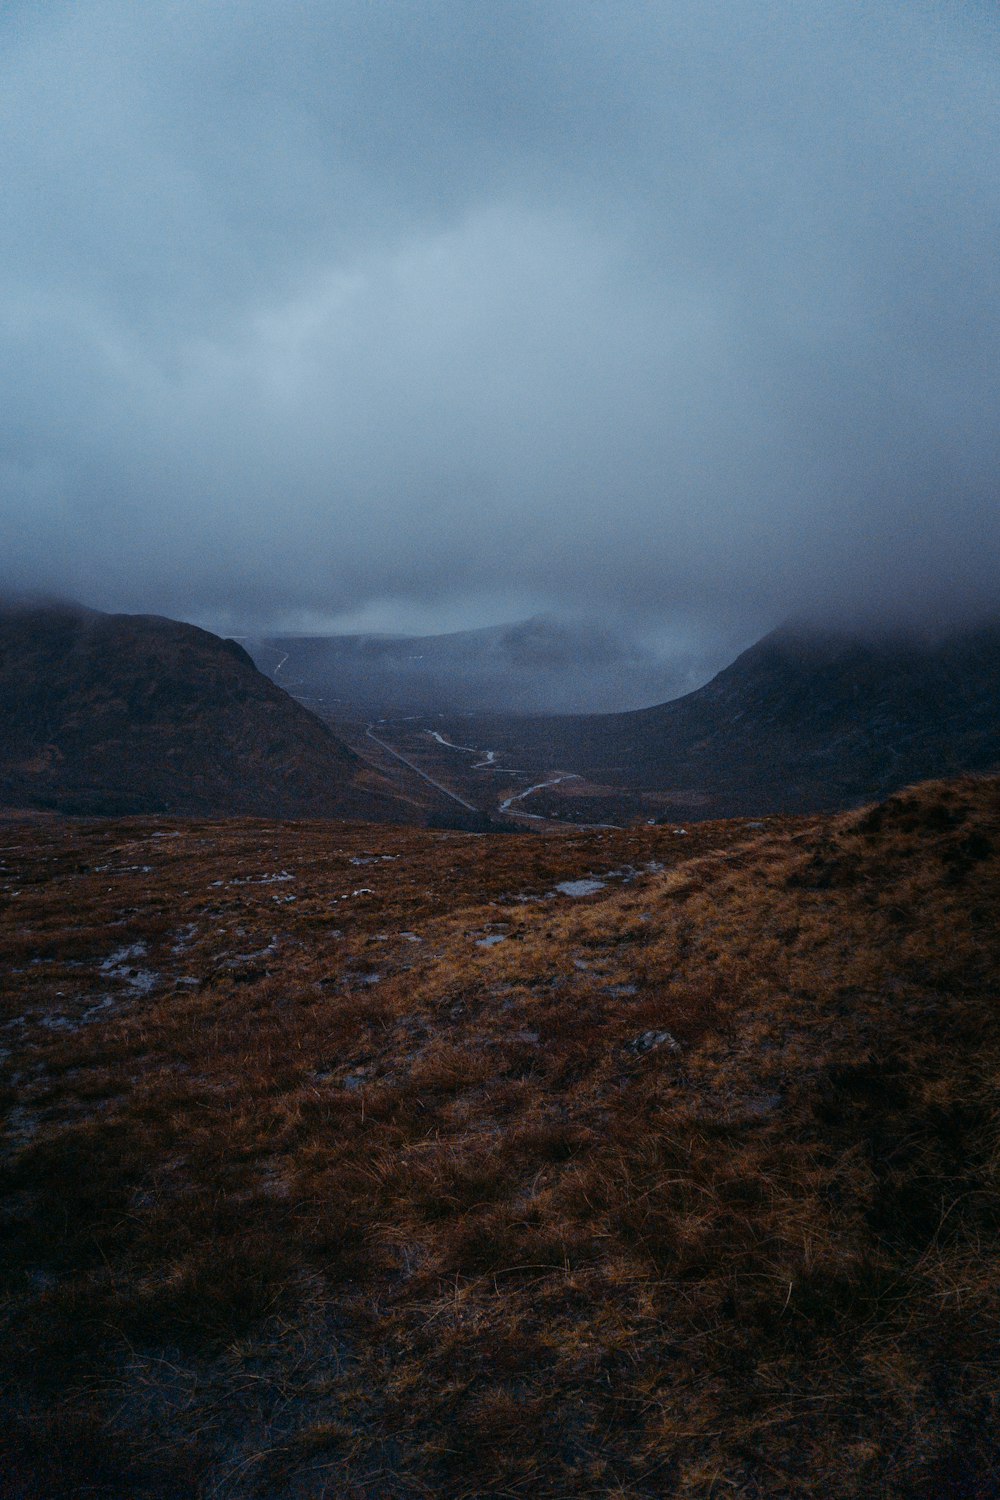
(802, 721)
(118, 714)
(384, 1162)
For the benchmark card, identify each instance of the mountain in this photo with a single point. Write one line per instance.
(536, 665)
(804, 720)
(114, 714)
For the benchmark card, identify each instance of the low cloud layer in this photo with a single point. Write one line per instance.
(428, 314)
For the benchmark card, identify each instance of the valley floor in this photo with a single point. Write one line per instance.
(519, 785)
(353, 1161)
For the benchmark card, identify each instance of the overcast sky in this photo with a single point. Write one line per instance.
(428, 313)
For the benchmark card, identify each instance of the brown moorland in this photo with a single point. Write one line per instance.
(355, 1161)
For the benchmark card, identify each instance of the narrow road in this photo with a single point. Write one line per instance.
(450, 744)
(478, 765)
(414, 767)
(507, 806)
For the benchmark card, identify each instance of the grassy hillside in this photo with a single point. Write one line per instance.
(116, 714)
(367, 1162)
(803, 721)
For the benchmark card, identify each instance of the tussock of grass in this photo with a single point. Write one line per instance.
(686, 1188)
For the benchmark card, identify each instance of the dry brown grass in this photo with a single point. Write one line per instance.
(685, 1188)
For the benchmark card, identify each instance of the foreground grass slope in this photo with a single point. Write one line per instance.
(362, 1162)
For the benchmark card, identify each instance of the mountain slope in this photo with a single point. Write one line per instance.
(536, 665)
(134, 713)
(803, 720)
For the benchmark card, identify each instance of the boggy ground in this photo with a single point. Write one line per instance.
(360, 1162)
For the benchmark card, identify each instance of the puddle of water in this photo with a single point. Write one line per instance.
(121, 965)
(580, 887)
(95, 1011)
(123, 956)
(184, 937)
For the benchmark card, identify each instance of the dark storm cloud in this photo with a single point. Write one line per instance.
(318, 309)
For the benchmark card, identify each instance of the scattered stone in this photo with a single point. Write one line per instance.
(245, 958)
(760, 1105)
(650, 1040)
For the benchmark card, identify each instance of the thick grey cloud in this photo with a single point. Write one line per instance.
(431, 313)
